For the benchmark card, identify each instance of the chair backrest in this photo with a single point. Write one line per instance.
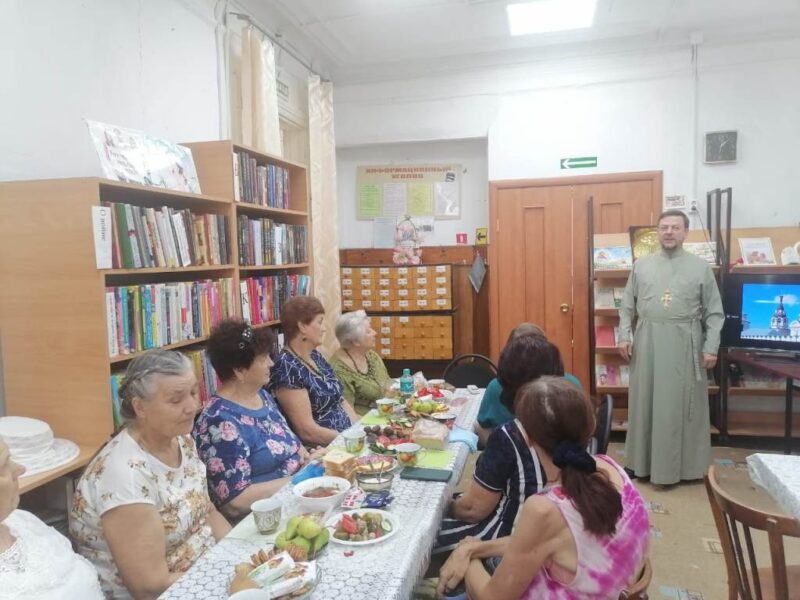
(638, 590)
(470, 369)
(598, 444)
(735, 521)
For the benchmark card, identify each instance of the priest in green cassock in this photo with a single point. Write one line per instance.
(669, 327)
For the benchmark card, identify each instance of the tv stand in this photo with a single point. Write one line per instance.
(785, 365)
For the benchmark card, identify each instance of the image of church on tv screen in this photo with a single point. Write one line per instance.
(771, 312)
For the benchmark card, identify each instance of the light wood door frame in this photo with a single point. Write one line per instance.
(581, 316)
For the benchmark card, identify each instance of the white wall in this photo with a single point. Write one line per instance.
(632, 111)
(471, 154)
(146, 64)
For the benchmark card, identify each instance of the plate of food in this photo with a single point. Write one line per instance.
(362, 527)
(385, 445)
(375, 463)
(276, 573)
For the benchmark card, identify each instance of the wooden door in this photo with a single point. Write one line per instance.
(539, 252)
(539, 249)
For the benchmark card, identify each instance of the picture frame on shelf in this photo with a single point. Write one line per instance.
(757, 252)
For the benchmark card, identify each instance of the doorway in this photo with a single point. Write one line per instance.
(539, 255)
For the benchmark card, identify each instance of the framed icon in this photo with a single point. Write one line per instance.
(721, 146)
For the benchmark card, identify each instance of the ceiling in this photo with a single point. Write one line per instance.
(370, 40)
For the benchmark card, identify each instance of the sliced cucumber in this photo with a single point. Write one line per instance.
(386, 525)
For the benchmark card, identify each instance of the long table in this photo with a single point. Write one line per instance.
(386, 570)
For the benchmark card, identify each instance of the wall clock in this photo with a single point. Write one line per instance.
(721, 146)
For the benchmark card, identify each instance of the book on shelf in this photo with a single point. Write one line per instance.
(607, 375)
(263, 297)
(264, 185)
(618, 293)
(603, 297)
(605, 336)
(612, 257)
(207, 380)
(146, 237)
(624, 375)
(141, 317)
(266, 242)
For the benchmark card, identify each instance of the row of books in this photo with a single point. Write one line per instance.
(607, 375)
(147, 237)
(265, 185)
(141, 317)
(207, 383)
(606, 297)
(263, 297)
(266, 242)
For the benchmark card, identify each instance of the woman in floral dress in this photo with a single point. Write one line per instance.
(249, 450)
(141, 512)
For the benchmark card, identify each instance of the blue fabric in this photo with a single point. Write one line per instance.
(324, 388)
(242, 446)
(467, 437)
(311, 470)
(493, 413)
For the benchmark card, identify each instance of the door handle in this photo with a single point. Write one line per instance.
(564, 307)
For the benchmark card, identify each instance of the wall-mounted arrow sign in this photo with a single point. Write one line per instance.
(481, 236)
(579, 162)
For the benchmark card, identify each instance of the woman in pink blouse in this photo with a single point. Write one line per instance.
(585, 538)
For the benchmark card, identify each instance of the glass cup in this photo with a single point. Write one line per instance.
(385, 406)
(354, 441)
(267, 514)
(408, 453)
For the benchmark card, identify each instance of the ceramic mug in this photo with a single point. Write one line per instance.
(267, 514)
(408, 453)
(354, 441)
(385, 406)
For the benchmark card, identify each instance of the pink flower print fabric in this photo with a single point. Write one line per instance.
(241, 446)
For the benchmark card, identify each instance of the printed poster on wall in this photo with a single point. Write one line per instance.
(415, 190)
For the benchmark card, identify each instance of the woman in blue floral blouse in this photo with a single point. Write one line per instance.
(302, 381)
(249, 450)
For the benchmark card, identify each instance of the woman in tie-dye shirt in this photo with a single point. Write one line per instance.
(584, 539)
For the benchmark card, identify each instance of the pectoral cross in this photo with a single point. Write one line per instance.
(666, 298)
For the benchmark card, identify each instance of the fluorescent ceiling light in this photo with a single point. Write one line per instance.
(543, 16)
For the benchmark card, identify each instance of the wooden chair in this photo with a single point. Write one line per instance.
(638, 590)
(734, 522)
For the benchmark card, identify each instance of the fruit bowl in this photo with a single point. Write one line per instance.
(334, 487)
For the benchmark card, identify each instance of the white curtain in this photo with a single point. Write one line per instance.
(260, 126)
(324, 205)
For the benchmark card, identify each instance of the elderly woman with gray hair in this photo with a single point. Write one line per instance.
(141, 512)
(356, 364)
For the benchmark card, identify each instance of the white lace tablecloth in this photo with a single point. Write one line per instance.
(779, 475)
(387, 570)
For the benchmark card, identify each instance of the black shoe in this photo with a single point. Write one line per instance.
(630, 472)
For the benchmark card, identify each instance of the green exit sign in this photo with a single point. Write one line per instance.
(579, 162)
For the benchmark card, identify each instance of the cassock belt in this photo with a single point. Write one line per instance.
(697, 345)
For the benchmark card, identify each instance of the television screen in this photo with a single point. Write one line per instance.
(763, 311)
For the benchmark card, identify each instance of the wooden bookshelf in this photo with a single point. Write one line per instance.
(619, 422)
(53, 329)
(606, 312)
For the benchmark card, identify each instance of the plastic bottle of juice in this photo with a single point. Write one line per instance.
(406, 385)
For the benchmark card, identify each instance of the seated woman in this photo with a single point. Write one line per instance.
(249, 450)
(141, 512)
(36, 561)
(302, 381)
(356, 364)
(592, 506)
(494, 413)
(507, 472)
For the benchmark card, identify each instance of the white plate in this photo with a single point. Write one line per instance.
(332, 522)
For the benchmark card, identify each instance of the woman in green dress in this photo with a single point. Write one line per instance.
(356, 364)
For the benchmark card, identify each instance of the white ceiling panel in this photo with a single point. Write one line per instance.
(358, 39)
